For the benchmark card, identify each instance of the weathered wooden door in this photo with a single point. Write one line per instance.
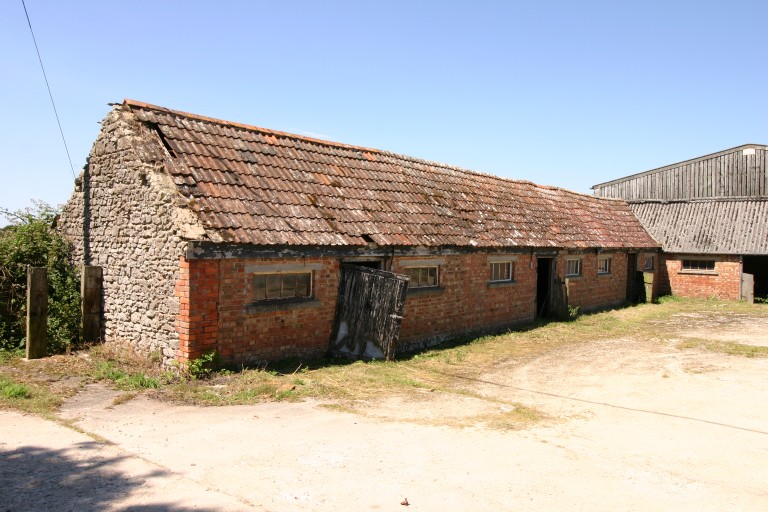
(369, 312)
(748, 287)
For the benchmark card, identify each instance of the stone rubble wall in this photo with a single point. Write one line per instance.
(129, 205)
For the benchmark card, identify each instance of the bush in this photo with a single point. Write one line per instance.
(31, 239)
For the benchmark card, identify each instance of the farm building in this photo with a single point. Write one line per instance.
(261, 245)
(710, 215)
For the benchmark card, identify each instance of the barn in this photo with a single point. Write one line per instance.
(263, 245)
(710, 215)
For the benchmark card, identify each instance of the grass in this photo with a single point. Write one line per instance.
(343, 385)
(724, 347)
(10, 390)
(26, 397)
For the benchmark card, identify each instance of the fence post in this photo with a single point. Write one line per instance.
(91, 291)
(37, 312)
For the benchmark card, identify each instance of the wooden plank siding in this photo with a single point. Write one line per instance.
(730, 173)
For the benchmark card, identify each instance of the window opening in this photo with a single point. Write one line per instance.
(502, 271)
(648, 265)
(573, 268)
(707, 265)
(282, 286)
(422, 277)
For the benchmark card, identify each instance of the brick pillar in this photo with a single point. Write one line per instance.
(198, 322)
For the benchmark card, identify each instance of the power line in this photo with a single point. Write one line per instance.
(66, 148)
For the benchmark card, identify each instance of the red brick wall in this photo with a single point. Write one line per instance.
(465, 302)
(198, 292)
(216, 314)
(217, 310)
(590, 290)
(723, 283)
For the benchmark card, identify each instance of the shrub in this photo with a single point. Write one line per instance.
(31, 239)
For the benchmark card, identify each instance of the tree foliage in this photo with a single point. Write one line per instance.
(31, 239)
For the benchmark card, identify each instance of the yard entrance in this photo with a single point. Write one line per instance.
(369, 312)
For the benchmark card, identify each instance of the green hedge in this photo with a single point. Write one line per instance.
(31, 239)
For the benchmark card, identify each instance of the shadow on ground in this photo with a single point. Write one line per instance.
(40, 479)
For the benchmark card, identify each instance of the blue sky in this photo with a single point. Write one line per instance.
(560, 93)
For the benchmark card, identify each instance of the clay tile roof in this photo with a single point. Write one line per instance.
(258, 186)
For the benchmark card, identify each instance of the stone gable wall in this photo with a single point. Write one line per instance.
(129, 208)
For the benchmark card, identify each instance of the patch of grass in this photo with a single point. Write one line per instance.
(124, 380)
(725, 347)
(9, 355)
(340, 407)
(515, 417)
(124, 398)
(26, 397)
(13, 390)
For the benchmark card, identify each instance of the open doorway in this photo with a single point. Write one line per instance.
(758, 267)
(633, 287)
(543, 286)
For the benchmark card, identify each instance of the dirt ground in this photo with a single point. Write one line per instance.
(628, 425)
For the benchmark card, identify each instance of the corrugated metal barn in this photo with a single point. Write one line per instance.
(710, 215)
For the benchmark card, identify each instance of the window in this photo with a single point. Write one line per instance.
(502, 271)
(603, 265)
(648, 264)
(573, 268)
(421, 277)
(699, 265)
(282, 286)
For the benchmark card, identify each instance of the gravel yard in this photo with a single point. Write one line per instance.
(627, 424)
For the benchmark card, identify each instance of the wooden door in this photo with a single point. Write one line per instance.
(748, 287)
(369, 312)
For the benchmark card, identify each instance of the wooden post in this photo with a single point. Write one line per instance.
(37, 312)
(91, 291)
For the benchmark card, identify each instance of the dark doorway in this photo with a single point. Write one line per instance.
(633, 289)
(374, 264)
(758, 267)
(543, 286)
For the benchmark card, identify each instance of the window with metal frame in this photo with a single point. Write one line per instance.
(422, 277)
(604, 265)
(573, 267)
(282, 286)
(699, 265)
(502, 271)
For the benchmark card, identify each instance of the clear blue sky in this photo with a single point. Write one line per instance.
(560, 93)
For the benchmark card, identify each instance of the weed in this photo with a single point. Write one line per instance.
(203, 366)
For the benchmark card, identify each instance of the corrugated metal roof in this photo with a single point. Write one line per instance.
(717, 226)
(258, 186)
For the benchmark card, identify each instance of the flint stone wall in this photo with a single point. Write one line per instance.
(122, 216)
